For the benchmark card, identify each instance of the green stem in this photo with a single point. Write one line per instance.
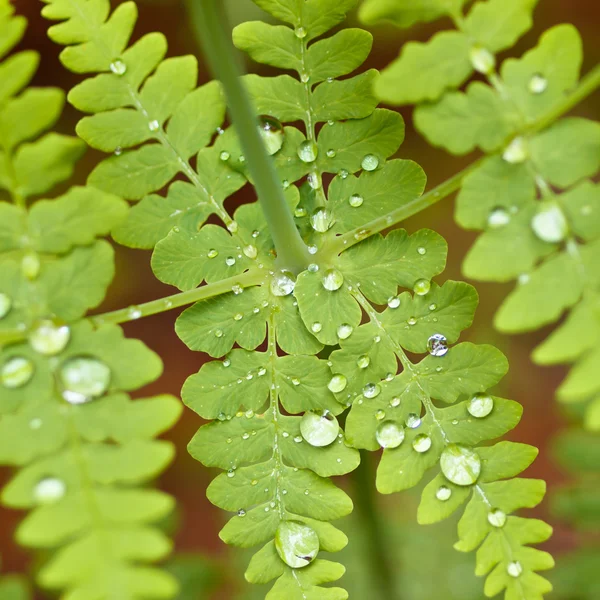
(211, 21)
(248, 279)
(373, 526)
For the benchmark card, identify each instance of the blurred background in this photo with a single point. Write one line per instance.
(421, 557)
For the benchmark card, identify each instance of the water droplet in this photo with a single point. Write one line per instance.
(344, 331)
(332, 280)
(437, 345)
(118, 67)
(549, 223)
(514, 568)
(411, 321)
(422, 251)
(154, 125)
(118, 151)
(371, 390)
(227, 362)
(319, 428)
(224, 156)
(271, 131)
(356, 200)
(231, 473)
(296, 543)
(84, 378)
(245, 435)
(5, 305)
(443, 493)
(321, 220)
(413, 421)
(49, 337)
(329, 80)
(283, 283)
(218, 333)
(308, 151)
(300, 212)
(16, 372)
(393, 302)
(394, 402)
(312, 249)
(523, 278)
(380, 415)
(389, 435)
(421, 443)
(460, 464)
(363, 361)
(30, 265)
(337, 383)
(35, 423)
(537, 84)
(220, 131)
(370, 162)
(49, 490)
(480, 405)
(482, 60)
(432, 306)
(343, 174)
(313, 267)
(300, 32)
(230, 261)
(422, 287)
(134, 312)
(212, 253)
(232, 226)
(238, 317)
(237, 289)
(241, 513)
(295, 381)
(516, 151)
(331, 153)
(498, 217)
(496, 518)
(297, 439)
(250, 251)
(316, 327)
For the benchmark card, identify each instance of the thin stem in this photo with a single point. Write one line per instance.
(211, 21)
(248, 279)
(373, 526)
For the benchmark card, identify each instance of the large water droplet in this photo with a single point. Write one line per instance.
(549, 223)
(337, 383)
(84, 378)
(421, 443)
(49, 490)
(370, 162)
(49, 337)
(389, 435)
(516, 151)
(118, 67)
(5, 305)
(344, 331)
(319, 428)
(371, 390)
(332, 280)
(356, 200)
(271, 131)
(422, 287)
(482, 60)
(537, 84)
(297, 544)
(498, 217)
(443, 493)
(283, 283)
(480, 405)
(321, 220)
(514, 568)
(460, 464)
(308, 151)
(437, 345)
(497, 518)
(16, 372)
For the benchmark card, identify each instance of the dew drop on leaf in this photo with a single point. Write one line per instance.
(496, 518)
(16, 372)
(49, 490)
(371, 390)
(422, 287)
(411, 321)
(224, 156)
(395, 402)
(49, 337)
(319, 428)
(460, 465)
(344, 331)
(84, 378)
(30, 265)
(316, 327)
(370, 162)
(421, 443)
(232, 226)
(498, 217)
(413, 421)
(321, 220)
(308, 151)
(337, 383)
(482, 60)
(363, 361)
(312, 249)
(537, 84)
(549, 223)
(356, 200)
(331, 153)
(241, 513)
(514, 568)
(218, 333)
(297, 544)
(283, 283)
(312, 268)
(237, 289)
(134, 312)
(271, 131)
(516, 151)
(118, 67)
(212, 253)
(332, 280)
(422, 251)
(250, 251)
(480, 405)
(389, 435)
(380, 415)
(437, 345)
(5, 305)
(393, 302)
(300, 32)
(443, 493)
(154, 125)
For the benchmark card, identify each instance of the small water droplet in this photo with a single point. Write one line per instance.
(297, 439)
(437, 345)
(321, 220)
(84, 378)
(380, 415)
(443, 493)
(227, 362)
(356, 200)
(241, 513)
(332, 280)
(482, 60)
(295, 381)
(300, 32)
(49, 337)
(237, 289)
(514, 568)
(313, 267)
(413, 420)
(516, 151)
(370, 162)
(212, 253)
(432, 306)
(337, 383)
(118, 151)
(272, 133)
(393, 302)
(496, 518)
(118, 67)
(319, 428)
(218, 333)
(395, 402)
(480, 405)
(422, 287)
(232, 227)
(498, 217)
(537, 84)
(134, 312)
(5, 305)
(549, 222)
(224, 156)
(250, 251)
(344, 331)
(282, 283)
(316, 327)
(16, 372)
(343, 174)
(421, 443)
(220, 131)
(363, 361)
(308, 151)
(154, 125)
(312, 249)
(231, 473)
(422, 251)
(411, 321)
(49, 490)
(460, 465)
(238, 317)
(331, 153)
(300, 212)
(30, 265)
(371, 390)
(230, 261)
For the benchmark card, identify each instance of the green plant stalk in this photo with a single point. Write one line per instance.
(211, 21)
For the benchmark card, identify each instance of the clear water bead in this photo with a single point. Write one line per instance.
(49, 490)
(337, 383)
(212, 253)
(319, 428)
(250, 251)
(5, 305)
(393, 302)
(370, 162)
(321, 220)
(549, 222)
(297, 544)
(84, 378)
(482, 60)
(300, 212)
(224, 156)
(356, 200)
(154, 125)
(516, 151)
(480, 405)
(380, 415)
(363, 361)
(498, 217)
(371, 390)
(514, 568)
(422, 251)
(332, 280)
(316, 327)
(496, 518)
(389, 435)
(300, 32)
(421, 443)
(437, 345)
(16, 372)
(118, 67)
(344, 331)
(241, 513)
(232, 226)
(537, 84)
(422, 287)
(230, 261)
(49, 337)
(443, 493)
(283, 283)
(331, 153)
(30, 265)
(413, 421)
(395, 402)
(237, 289)
(271, 131)
(308, 151)
(460, 465)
